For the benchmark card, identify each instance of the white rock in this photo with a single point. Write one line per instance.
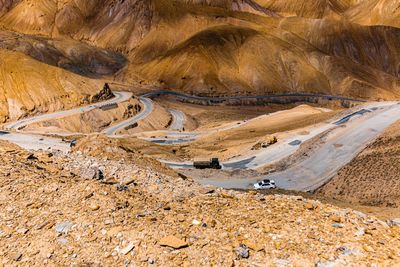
(196, 222)
(127, 249)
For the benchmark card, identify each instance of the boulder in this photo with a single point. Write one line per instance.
(172, 242)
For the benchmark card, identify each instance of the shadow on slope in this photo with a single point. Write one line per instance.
(71, 55)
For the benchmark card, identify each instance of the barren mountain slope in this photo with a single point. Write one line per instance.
(230, 46)
(231, 60)
(31, 16)
(235, 5)
(27, 86)
(325, 56)
(106, 23)
(6, 5)
(356, 59)
(376, 12)
(236, 54)
(309, 8)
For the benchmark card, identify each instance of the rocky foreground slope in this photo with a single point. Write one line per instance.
(78, 209)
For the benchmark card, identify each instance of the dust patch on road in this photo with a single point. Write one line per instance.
(302, 153)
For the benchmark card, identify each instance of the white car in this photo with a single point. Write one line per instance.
(265, 184)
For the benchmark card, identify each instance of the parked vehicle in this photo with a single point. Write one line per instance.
(208, 164)
(73, 143)
(265, 184)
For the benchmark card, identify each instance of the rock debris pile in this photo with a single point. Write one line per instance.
(73, 209)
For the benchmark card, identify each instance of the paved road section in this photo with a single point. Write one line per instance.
(287, 146)
(146, 111)
(172, 139)
(119, 97)
(270, 155)
(35, 142)
(284, 148)
(349, 117)
(217, 99)
(342, 144)
(178, 119)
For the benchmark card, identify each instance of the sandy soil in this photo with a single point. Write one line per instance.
(372, 177)
(159, 119)
(236, 141)
(216, 115)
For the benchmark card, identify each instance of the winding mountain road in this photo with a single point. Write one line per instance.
(178, 119)
(148, 107)
(173, 138)
(285, 147)
(119, 97)
(37, 141)
(340, 146)
(216, 99)
(344, 139)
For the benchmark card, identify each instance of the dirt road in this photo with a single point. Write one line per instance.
(216, 99)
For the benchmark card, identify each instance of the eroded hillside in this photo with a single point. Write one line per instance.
(231, 46)
(310, 9)
(29, 86)
(376, 12)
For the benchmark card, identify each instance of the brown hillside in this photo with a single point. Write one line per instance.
(309, 9)
(229, 46)
(376, 12)
(28, 86)
(71, 55)
(55, 214)
(232, 60)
